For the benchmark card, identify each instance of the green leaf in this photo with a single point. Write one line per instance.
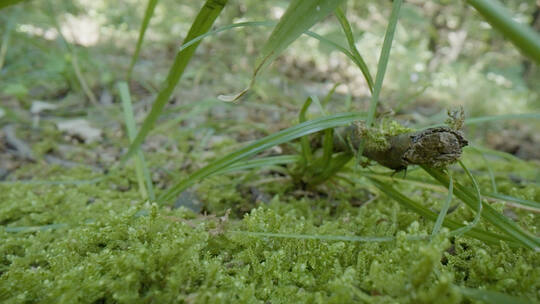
(352, 47)
(516, 200)
(260, 163)
(143, 174)
(492, 297)
(148, 13)
(204, 20)
(6, 3)
(444, 210)
(478, 199)
(347, 238)
(25, 229)
(383, 60)
(299, 17)
(280, 137)
(407, 202)
(522, 36)
(491, 215)
(483, 119)
(306, 146)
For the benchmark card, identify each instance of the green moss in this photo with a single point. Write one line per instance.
(115, 248)
(376, 138)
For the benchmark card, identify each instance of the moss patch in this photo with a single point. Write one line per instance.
(113, 248)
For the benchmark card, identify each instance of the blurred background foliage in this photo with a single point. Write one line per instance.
(444, 55)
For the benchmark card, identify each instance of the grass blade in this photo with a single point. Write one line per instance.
(6, 3)
(280, 137)
(522, 36)
(383, 60)
(348, 238)
(25, 229)
(491, 215)
(306, 146)
(483, 119)
(299, 17)
(143, 174)
(444, 210)
(340, 14)
(259, 163)
(516, 200)
(204, 20)
(148, 13)
(5, 38)
(479, 234)
(491, 297)
(478, 198)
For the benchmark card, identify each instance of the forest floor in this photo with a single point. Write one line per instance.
(76, 228)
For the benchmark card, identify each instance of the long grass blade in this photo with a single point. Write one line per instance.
(484, 119)
(204, 20)
(148, 13)
(143, 174)
(444, 210)
(491, 215)
(263, 162)
(347, 238)
(383, 60)
(516, 200)
(59, 182)
(5, 38)
(479, 205)
(280, 137)
(6, 3)
(304, 141)
(298, 18)
(522, 36)
(407, 202)
(491, 297)
(345, 25)
(25, 229)
(432, 185)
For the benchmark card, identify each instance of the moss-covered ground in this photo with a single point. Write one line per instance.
(75, 227)
(98, 242)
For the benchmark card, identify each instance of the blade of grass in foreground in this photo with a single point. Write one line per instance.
(348, 238)
(340, 14)
(522, 36)
(444, 209)
(491, 297)
(263, 162)
(491, 215)
(432, 185)
(280, 137)
(204, 20)
(298, 18)
(484, 119)
(479, 234)
(478, 198)
(383, 60)
(148, 13)
(6, 3)
(143, 174)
